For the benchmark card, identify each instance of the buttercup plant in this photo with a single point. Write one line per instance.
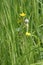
(28, 34)
(22, 14)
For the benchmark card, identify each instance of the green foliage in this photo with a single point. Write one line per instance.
(15, 47)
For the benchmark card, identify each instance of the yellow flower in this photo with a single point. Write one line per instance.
(28, 34)
(22, 14)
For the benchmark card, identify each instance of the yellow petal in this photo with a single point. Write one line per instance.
(22, 14)
(28, 34)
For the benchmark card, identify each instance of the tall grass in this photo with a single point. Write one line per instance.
(15, 47)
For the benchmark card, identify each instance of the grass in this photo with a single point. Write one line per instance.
(15, 47)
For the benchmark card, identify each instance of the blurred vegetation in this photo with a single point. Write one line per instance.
(15, 47)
